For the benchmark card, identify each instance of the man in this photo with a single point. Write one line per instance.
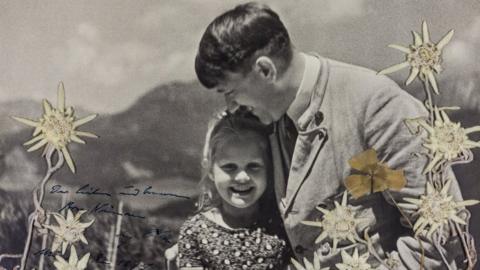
(338, 111)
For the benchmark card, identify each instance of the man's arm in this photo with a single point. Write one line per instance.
(386, 132)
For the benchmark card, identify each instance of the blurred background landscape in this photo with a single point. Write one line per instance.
(133, 64)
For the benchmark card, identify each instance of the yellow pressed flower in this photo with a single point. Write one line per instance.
(446, 140)
(57, 127)
(69, 230)
(423, 57)
(73, 262)
(354, 262)
(435, 209)
(374, 176)
(338, 224)
(308, 265)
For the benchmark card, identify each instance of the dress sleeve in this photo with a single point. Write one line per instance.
(189, 255)
(386, 132)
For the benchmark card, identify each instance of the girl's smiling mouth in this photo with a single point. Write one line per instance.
(242, 190)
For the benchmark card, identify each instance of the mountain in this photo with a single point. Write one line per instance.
(160, 136)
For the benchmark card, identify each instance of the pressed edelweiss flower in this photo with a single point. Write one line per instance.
(57, 127)
(308, 265)
(423, 57)
(374, 176)
(69, 230)
(73, 262)
(446, 140)
(435, 209)
(354, 262)
(338, 224)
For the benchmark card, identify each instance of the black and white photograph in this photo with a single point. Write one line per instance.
(216, 135)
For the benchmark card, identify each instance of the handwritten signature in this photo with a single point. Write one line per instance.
(129, 190)
(106, 208)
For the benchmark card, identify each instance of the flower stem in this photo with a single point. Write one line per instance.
(469, 248)
(422, 258)
(370, 247)
(429, 101)
(38, 200)
(439, 249)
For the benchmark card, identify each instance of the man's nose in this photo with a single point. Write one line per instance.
(242, 177)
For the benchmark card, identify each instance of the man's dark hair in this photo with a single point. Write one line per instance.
(233, 38)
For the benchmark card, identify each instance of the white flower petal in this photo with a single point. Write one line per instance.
(413, 74)
(37, 145)
(73, 256)
(425, 34)
(400, 48)
(68, 159)
(467, 203)
(35, 139)
(84, 120)
(394, 68)
(445, 40)
(417, 38)
(61, 97)
(82, 264)
(26, 121)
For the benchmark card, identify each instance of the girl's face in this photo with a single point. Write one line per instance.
(239, 171)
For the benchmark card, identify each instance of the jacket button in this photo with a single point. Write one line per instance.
(299, 249)
(318, 118)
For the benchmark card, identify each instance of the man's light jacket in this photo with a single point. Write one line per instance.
(350, 109)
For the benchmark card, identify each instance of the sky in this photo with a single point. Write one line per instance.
(108, 53)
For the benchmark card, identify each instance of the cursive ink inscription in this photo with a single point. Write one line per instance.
(58, 189)
(149, 191)
(45, 252)
(134, 191)
(129, 190)
(105, 208)
(89, 190)
(108, 208)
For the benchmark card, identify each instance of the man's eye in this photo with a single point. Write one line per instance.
(254, 166)
(229, 167)
(229, 92)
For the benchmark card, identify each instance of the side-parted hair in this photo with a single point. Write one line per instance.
(234, 40)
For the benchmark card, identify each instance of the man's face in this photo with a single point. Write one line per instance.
(253, 91)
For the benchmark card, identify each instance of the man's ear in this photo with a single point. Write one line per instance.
(210, 175)
(265, 68)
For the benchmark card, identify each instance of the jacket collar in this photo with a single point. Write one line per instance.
(307, 86)
(312, 135)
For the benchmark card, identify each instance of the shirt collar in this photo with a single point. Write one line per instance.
(307, 85)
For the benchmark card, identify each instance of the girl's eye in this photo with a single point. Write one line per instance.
(254, 166)
(229, 167)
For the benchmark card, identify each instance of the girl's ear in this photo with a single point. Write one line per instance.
(265, 68)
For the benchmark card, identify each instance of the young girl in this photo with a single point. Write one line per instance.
(238, 225)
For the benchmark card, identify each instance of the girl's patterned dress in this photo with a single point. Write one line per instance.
(204, 243)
